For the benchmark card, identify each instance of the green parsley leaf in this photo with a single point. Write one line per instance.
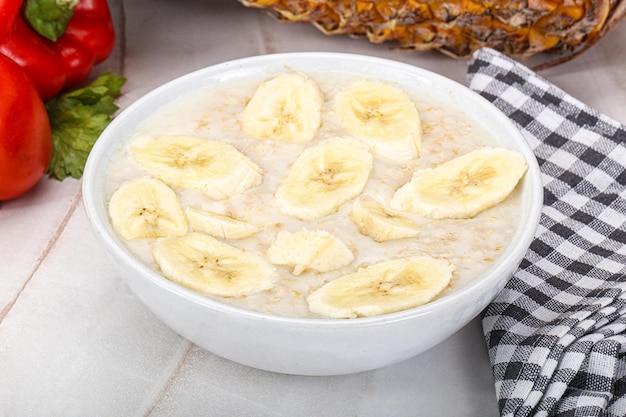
(77, 118)
(49, 18)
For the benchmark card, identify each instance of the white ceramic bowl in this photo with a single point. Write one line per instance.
(297, 345)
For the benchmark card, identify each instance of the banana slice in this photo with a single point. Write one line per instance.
(204, 264)
(382, 288)
(373, 219)
(383, 116)
(316, 250)
(215, 168)
(324, 177)
(219, 225)
(287, 107)
(462, 187)
(146, 208)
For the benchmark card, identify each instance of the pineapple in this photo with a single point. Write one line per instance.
(457, 28)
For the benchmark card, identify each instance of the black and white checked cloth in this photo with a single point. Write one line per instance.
(556, 334)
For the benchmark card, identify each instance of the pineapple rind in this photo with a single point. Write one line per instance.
(455, 28)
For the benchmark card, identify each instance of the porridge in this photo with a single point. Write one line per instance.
(263, 211)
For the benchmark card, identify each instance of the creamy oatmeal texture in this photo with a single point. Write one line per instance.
(470, 245)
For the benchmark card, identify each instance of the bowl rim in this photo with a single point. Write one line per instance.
(115, 247)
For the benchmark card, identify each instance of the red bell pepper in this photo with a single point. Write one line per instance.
(64, 63)
(25, 134)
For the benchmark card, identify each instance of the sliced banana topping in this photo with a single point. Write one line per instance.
(324, 177)
(146, 208)
(380, 223)
(212, 167)
(316, 250)
(287, 107)
(382, 288)
(204, 264)
(218, 225)
(462, 187)
(384, 116)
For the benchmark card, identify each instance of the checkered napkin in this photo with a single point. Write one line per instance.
(556, 334)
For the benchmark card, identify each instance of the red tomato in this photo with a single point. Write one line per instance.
(25, 137)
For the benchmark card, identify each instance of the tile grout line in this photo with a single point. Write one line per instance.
(121, 37)
(174, 371)
(265, 38)
(44, 254)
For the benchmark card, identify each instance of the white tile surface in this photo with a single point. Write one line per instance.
(75, 342)
(29, 226)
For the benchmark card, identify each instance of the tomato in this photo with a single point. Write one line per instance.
(25, 136)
